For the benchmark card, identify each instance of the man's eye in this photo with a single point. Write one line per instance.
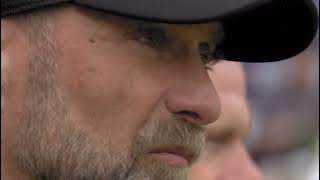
(209, 57)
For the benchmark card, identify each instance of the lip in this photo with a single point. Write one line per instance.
(177, 156)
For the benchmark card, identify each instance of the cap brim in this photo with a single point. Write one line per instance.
(255, 30)
(272, 32)
(173, 11)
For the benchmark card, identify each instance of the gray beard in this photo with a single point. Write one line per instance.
(50, 147)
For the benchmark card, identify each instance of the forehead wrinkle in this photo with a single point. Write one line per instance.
(185, 38)
(188, 34)
(107, 27)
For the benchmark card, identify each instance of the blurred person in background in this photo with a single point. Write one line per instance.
(284, 98)
(213, 163)
(224, 155)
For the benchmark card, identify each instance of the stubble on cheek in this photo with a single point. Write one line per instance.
(50, 145)
(53, 147)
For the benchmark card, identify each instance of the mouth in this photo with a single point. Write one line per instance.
(176, 156)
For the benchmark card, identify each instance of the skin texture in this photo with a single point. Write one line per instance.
(224, 156)
(88, 98)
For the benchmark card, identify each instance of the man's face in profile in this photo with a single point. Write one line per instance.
(224, 155)
(103, 97)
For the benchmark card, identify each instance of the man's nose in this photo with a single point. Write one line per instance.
(194, 98)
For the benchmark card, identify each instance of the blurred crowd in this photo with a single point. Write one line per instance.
(284, 101)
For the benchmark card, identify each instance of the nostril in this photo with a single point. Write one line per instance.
(190, 116)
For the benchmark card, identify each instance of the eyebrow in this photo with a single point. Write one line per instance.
(214, 36)
(144, 27)
(138, 27)
(215, 32)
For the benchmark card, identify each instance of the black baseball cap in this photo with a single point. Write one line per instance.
(254, 30)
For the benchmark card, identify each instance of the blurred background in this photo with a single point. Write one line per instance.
(284, 100)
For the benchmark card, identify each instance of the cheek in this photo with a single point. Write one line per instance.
(107, 91)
